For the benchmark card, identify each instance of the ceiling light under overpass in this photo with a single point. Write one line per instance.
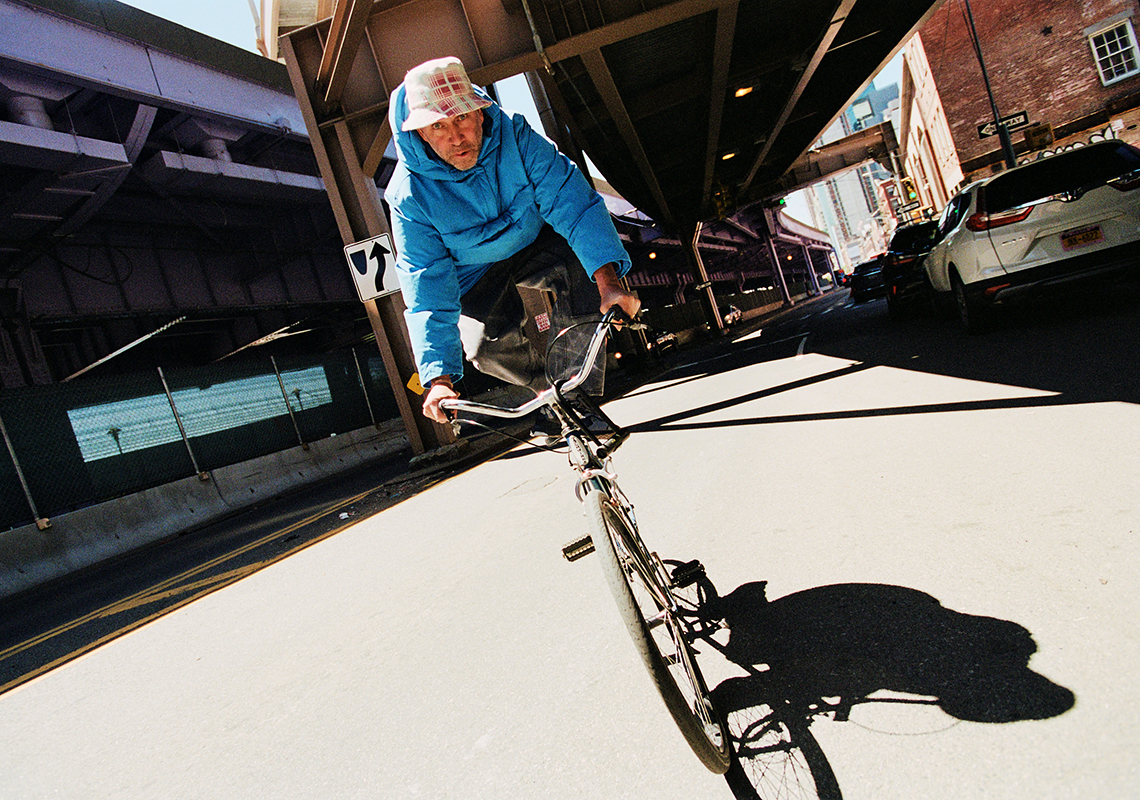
(743, 90)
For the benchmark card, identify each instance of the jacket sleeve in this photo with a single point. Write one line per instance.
(431, 293)
(568, 202)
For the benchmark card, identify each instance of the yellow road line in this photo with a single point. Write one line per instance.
(170, 582)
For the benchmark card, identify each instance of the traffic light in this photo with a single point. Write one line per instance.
(910, 194)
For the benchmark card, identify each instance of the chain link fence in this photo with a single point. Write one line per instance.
(70, 445)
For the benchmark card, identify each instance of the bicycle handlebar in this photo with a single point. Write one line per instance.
(613, 317)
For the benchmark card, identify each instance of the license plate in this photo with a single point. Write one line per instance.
(1081, 236)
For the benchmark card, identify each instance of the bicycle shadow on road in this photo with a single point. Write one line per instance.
(822, 650)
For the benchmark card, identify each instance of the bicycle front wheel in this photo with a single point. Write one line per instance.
(659, 634)
(777, 758)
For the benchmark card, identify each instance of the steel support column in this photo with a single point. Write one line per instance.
(694, 250)
(811, 269)
(356, 205)
(778, 268)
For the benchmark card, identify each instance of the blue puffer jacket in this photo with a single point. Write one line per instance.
(450, 225)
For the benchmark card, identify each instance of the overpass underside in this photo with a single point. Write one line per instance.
(689, 108)
(152, 179)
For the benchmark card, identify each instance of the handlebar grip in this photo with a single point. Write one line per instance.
(615, 316)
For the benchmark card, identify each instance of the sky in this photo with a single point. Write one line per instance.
(228, 20)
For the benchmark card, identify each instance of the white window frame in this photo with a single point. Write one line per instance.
(1124, 22)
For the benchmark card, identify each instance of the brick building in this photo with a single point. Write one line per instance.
(926, 147)
(1074, 68)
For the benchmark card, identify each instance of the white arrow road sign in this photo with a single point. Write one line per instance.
(373, 267)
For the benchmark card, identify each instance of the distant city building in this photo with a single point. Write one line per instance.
(926, 147)
(279, 17)
(851, 206)
(1082, 84)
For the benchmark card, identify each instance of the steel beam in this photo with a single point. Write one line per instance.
(603, 81)
(833, 28)
(356, 205)
(345, 35)
(718, 91)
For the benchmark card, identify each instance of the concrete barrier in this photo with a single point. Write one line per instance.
(79, 539)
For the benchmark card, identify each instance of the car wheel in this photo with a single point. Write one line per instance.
(971, 313)
(929, 298)
(896, 308)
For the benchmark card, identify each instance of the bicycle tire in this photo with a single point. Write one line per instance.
(664, 647)
(777, 758)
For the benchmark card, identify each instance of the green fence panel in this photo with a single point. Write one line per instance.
(98, 438)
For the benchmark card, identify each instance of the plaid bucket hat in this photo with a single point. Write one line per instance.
(439, 89)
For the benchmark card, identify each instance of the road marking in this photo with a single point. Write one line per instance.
(169, 588)
(800, 349)
(732, 353)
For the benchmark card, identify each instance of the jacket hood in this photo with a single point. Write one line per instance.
(419, 158)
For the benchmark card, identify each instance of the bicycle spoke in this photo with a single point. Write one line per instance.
(640, 585)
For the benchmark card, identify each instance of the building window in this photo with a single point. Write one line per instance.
(1114, 49)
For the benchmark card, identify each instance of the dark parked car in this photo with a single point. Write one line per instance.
(663, 341)
(867, 280)
(905, 281)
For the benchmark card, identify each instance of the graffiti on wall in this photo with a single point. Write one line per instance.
(1099, 136)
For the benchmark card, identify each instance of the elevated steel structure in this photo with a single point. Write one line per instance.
(691, 109)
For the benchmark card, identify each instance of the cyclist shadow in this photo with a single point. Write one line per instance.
(824, 649)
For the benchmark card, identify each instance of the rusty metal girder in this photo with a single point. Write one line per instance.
(647, 89)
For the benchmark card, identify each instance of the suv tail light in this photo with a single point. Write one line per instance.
(983, 222)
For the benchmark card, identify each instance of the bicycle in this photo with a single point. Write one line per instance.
(641, 584)
(775, 755)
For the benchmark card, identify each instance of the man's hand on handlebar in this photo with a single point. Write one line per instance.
(441, 389)
(614, 294)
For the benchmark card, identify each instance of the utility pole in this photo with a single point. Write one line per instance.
(1003, 133)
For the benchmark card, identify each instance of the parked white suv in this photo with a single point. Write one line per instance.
(1032, 229)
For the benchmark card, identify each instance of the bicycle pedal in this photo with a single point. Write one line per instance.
(579, 548)
(687, 574)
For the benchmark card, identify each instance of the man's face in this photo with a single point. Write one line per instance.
(456, 140)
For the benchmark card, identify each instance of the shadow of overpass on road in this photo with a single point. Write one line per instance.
(1082, 349)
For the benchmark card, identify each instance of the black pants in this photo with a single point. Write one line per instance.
(492, 316)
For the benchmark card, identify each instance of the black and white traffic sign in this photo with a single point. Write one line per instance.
(373, 267)
(1012, 123)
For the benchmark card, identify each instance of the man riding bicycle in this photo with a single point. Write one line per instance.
(482, 204)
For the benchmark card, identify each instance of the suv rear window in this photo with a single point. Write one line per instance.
(1083, 168)
(914, 238)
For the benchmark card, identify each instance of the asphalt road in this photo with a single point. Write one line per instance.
(926, 540)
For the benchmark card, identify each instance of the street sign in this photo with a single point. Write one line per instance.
(703, 285)
(373, 267)
(910, 206)
(1012, 123)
